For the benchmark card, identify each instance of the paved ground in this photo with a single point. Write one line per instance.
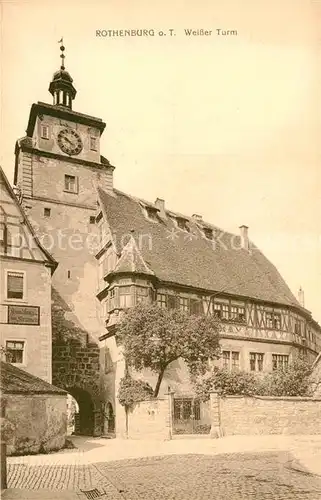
(266, 467)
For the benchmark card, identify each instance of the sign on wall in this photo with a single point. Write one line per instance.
(23, 315)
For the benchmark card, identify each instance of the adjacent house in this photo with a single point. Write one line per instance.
(26, 269)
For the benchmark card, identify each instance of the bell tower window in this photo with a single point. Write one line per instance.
(93, 143)
(44, 132)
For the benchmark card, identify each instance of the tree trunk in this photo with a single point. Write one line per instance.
(159, 381)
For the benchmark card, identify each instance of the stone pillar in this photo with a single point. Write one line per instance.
(169, 418)
(216, 430)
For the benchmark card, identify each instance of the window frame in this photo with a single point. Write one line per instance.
(48, 214)
(24, 355)
(276, 357)
(227, 361)
(93, 142)
(76, 191)
(258, 358)
(44, 127)
(24, 285)
(273, 320)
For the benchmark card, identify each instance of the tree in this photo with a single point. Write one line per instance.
(153, 337)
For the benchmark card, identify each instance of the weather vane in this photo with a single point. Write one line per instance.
(62, 55)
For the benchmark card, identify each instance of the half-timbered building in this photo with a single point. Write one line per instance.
(115, 250)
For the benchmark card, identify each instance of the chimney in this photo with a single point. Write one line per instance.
(160, 204)
(301, 296)
(197, 217)
(244, 237)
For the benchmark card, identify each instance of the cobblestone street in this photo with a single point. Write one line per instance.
(239, 476)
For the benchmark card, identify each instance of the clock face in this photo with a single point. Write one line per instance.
(69, 141)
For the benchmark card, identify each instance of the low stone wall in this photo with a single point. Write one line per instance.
(266, 415)
(40, 422)
(150, 420)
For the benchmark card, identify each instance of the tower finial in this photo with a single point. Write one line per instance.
(62, 55)
(61, 87)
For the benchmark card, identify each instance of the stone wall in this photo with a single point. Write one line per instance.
(265, 415)
(150, 420)
(40, 422)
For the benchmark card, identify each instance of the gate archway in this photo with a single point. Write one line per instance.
(85, 418)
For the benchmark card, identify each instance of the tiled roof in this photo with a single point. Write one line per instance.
(16, 381)
(131, 260)
(189, 258)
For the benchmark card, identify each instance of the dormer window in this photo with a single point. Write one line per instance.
(44, 132)
(208, 233)
(151, 213)
(93, 143)
(182, 224)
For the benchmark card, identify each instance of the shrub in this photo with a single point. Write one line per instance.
(226, 383)
(133, 391)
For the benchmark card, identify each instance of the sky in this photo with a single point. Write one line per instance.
(224, 126)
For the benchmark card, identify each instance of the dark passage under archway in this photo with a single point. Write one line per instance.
(84, 420)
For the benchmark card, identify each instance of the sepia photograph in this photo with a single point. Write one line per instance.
(160, 250)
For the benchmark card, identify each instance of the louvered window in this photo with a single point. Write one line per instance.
(15, 285)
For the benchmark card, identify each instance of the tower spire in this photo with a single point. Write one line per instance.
(61, 87)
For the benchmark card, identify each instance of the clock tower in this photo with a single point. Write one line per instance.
(58, 168)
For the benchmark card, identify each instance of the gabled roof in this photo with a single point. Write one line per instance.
(13, 380)
(131, 260)
(48, 259)
(189, 258)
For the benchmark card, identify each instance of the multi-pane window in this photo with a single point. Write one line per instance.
(183, 303)
(125, 296)
(141, 294)
(44, 132)
(93, 143)
(161, 300)
(71, 184)
(15, 351)
(256, 361)
(279, 361)
(112, 295)
(229, 312)
(273, 320)
(231, 360)
(225, 311)
(217, 310)
(15, 285)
